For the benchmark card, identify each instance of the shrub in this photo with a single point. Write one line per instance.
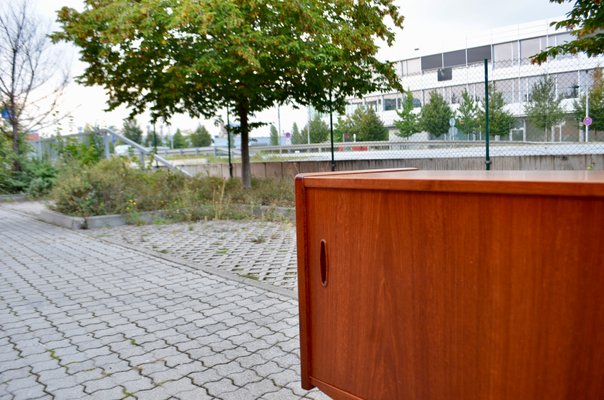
(112, 187)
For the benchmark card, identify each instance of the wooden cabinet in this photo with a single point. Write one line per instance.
(452, 285)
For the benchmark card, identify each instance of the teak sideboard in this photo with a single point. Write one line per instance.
(457, 285)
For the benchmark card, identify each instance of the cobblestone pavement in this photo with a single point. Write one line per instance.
(265, 251)
(84, 318)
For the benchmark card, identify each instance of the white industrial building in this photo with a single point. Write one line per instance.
(458, 68)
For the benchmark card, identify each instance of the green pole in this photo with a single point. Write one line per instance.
(486, 112)
(228, 129)
(333, 160)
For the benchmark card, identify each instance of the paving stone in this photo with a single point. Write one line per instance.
(90, 387)
(258, 389)
(32, 392)
(138, 384)
(108, 310)
(281, 394)
(245, 377)
(114, 393)
(195, 394)
(72, 393)
(16, 373)
(22, 382)
(220, 388)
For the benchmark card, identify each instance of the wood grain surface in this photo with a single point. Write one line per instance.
(452, 295)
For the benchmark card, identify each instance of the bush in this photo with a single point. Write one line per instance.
(35, 178)
(112, 187)
(42, 175)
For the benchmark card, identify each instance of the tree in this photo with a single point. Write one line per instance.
(544, 109)
(500, 120)
(363, 124)
(201, 137)
(30, 85)
(132, 131)
(319, 131)
(199, 57)
(179, 141)
(435, 115)
(368, 125)
(467, 114)
(596, 102)
(407, 124)
(297, 136)
(586, 20)
(274, 135)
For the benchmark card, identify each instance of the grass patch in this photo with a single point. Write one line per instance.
(113, 187)
(250, 276)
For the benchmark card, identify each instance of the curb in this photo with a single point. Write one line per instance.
(114, 220)
(12, 197)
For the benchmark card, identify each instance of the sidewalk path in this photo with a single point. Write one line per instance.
(84, 318)
(264, 251)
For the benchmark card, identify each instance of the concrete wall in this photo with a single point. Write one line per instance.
(288, 169)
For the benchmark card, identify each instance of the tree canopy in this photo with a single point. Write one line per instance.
(200, 57)
(132, 131)
(586, 21)
(179, 141)
(544, 108)
(500, 120)
(319, 131)
(364, 125)
(596, 102)
(435, 115)
(31, 80)
(274, 136)
(467, 114)
(407, 124)
(201, 137)
(297, 136)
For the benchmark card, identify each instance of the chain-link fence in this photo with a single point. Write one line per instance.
(554, 109)
(548, 116)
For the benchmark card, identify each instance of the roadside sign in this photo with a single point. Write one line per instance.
(587, 121)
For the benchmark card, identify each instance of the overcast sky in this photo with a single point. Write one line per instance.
(430, 25)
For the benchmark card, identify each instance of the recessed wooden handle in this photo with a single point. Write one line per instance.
(323, 263)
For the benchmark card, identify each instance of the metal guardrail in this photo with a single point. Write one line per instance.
(142, 151)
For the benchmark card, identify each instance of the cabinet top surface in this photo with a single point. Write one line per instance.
(570, 183)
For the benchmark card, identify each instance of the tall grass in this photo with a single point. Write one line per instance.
(113, 187)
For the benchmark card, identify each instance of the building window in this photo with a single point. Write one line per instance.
(456, 94)
(351, 107)
(530, 47)
(527, 86)
(418, 98)
(567, 85)
(372, 104)
(505, 54)
(411, 67)
(432, 62)
(392, 104)
(478, 54)
(508, 89)
(557, 40)
(454, 58)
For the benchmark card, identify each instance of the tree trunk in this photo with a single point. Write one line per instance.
(246, 174)
(16, 147)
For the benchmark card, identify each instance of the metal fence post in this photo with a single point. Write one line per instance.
(487, 132)
(106, 143)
